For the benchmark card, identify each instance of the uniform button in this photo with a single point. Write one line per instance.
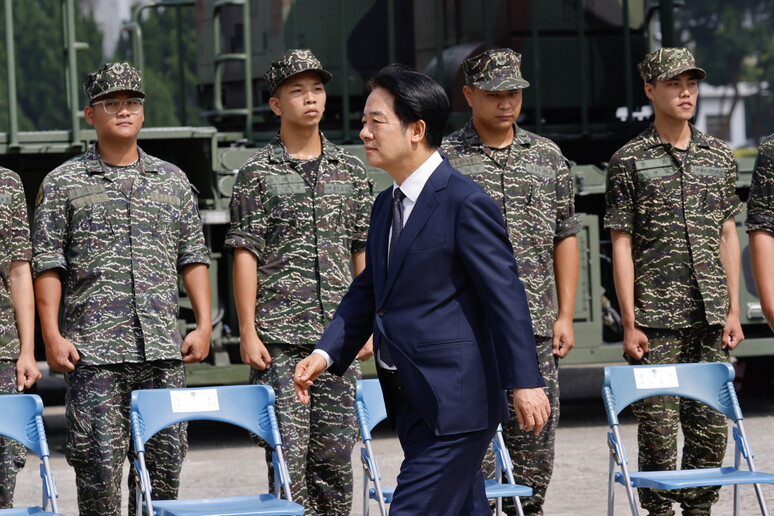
(381, 312)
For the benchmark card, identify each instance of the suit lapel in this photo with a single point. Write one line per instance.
(425, 206)
(381, 234)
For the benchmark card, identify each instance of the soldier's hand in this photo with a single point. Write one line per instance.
(306, 372)
(196, 346)
(564, 338)
(253, 352)
(367, 351)
(732, 333)
(61, 355)
(27, 372)
(532, 408)
(635, 343)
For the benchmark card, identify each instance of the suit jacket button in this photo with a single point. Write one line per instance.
(381, 312)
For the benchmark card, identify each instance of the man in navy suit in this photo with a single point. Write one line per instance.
(441, 294)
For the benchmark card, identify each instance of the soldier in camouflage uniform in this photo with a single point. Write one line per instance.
(299, 219)
(18, 369)
(530, 180)
(113, 228)
(671, 203)
(760, 226)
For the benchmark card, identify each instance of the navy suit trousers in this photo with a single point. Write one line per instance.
(440, 475)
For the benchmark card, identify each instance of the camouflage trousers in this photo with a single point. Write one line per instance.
(99, 434)
(12, 452)
(532, 455)
(317, 439)
(705, 430)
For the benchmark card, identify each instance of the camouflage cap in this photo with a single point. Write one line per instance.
(113, 77)
(294, 61)
(668, 63)
(495, 70)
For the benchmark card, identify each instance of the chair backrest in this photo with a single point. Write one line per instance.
(369, 405)
(22, 420)
(710, 383)
(248, 406)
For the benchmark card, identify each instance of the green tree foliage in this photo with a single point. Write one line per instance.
(170, 102)
(40, 64)
(733, 40)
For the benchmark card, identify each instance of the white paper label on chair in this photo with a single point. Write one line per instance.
(655, 377)
(203, 400)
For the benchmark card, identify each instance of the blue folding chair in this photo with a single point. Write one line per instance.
(709, 383)
(248, 406)
(23, 421)
(370, 410)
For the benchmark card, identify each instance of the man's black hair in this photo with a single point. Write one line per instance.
(417, 97)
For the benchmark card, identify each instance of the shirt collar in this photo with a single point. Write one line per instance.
(146, 163)
(653, 139)
(414, 183)
(520, 136)
(278, 152)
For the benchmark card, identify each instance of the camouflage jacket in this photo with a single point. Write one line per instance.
(534, 189)
(14, 245)
(119, 255)
(760, 205)
(302, 236)
(674, 213)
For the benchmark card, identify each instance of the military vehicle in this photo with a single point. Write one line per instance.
(585, 94)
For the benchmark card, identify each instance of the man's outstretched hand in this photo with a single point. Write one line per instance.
(306, 372)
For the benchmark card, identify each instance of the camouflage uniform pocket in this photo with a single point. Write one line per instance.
(283, 219)
(712, 180)
(90, 224)
(167, 218)
(652, 192)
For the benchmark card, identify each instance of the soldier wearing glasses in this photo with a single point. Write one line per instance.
(113, 228)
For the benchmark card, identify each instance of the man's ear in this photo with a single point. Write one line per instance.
(468, 92)
(418, 130)
(275, 106)
(648, 87)
(88, 114)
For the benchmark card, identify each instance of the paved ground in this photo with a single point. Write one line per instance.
(222, 462)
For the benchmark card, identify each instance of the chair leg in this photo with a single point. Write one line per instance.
(517, 503)
(611, 487)
(736, 500)
(632, 501)
(366, 505)
(761, 500)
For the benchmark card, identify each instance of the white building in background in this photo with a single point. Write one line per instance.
(715, 103)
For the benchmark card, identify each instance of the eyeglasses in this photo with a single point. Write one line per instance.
(113, 106)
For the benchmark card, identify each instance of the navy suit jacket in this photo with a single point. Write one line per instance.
(450, 307)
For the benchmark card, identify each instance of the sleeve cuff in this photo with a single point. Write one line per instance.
(325, 355)
(568, 227)
(758, 222)
(23, 255)
(199, 256)
(618, 221)
(239, 240)
(43, 263)
(734, 207)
